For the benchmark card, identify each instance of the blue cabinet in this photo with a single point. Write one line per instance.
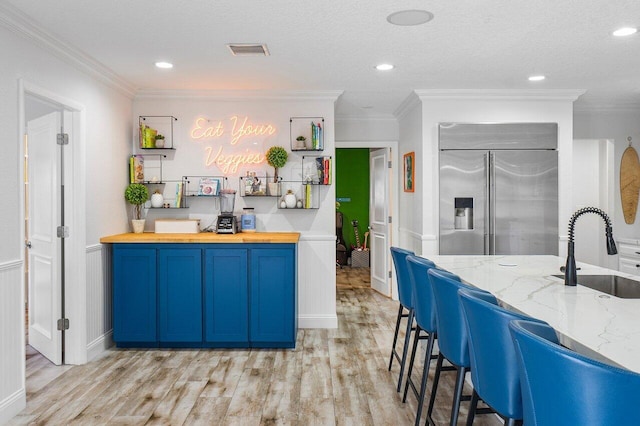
(179, 295)
(226, 297)
(204, 295)
(134, 294)
(273, 298)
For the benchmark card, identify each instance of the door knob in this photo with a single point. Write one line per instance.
(28, 244)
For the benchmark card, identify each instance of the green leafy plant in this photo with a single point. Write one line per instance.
(301, 138)
(136, 194)
(277, 158)
(159, 136)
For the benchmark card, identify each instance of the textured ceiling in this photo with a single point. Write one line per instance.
(334, 45)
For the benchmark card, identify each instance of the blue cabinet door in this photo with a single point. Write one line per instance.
(273, 297)
(134, 294)
(226, 296)
(180, 295)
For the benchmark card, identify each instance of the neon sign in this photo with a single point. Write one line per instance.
(241, 129)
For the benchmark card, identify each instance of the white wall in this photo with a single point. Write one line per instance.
(616, 125)
(316, 274)
(107, 142)
(366, 129)
(480, 106)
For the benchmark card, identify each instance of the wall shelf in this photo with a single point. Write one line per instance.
(149, 126)
(311, 129)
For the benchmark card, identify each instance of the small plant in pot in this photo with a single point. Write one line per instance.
(276, 158)
(159, 141)
(302, 142)
(137, 194)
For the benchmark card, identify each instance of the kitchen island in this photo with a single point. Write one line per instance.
(588, 321)
(204, 290)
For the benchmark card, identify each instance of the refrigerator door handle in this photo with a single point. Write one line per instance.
(487, 242)
(492, 200)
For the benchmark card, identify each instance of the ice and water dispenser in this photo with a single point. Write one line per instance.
(463, 213)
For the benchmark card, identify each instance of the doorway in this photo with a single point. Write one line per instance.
(593, 186)
(367, 198)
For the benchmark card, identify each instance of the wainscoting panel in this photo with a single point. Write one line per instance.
(12, 344)
(99, 322)
(317, 281)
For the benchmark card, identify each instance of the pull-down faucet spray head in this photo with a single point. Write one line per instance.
(570, 275)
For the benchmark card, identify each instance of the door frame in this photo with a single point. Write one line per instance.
(394, 190)
(75, 218)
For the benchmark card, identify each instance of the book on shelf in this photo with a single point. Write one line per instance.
(178, 194)
(316, 136)
(209, 186)
(307, 196)
(136, 169)
(323, 166)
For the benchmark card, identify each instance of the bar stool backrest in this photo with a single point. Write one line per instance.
(565, 388)
(399, 257)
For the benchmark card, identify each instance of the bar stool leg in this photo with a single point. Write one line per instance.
(457, 396)
(434, 388)
(472, 408)
(395, 335)
(405, 350)
(425, 375)
(416, 338)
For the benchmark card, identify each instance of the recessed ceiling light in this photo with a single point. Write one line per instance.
(384, 67)
(626, 31)
(537, 78)
(410, 17)
(165, 65)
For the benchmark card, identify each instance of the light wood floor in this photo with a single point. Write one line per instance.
(333, 377)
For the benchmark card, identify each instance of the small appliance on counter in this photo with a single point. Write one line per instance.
(227, 222)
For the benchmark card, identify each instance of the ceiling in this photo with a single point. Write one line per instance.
(335, 44)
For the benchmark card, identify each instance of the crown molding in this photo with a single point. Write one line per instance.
(21, 24)
(410, 102)
(501, 94)
(238, 95)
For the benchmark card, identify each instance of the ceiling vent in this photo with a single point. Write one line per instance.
(248, 49)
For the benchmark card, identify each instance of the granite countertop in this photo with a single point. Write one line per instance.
(205, 237)
(588, 321)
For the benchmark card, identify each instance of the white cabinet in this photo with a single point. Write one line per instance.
(629, 256)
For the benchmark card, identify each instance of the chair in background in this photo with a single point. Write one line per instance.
(494, 363)
(399, 257)
(562, 387)
(425, 315)
(453, 337)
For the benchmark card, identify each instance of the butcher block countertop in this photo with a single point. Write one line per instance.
(205, 237)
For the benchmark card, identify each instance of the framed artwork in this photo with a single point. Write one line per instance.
(409, 172)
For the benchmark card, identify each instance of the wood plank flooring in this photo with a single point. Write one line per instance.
(333, 377)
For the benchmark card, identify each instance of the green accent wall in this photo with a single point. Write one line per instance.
(352, 182)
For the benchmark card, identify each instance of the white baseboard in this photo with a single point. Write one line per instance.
(12, 405)
(318, 321)
(99, 345)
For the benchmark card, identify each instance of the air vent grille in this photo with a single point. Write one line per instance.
(248, 49)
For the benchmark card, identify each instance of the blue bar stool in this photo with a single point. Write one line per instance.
(406, 302)
(494, 364)
(453, 337)
(562, 387)
(425, 314)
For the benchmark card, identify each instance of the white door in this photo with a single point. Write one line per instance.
(593, 180)
(379, 212)
(43, 214)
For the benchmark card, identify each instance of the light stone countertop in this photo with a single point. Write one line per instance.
(598, 325)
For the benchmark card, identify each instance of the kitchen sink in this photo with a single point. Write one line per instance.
(614, 285)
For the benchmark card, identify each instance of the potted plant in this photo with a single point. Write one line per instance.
(137, 194)
(159, 141)
(301, 142)
(276, 158)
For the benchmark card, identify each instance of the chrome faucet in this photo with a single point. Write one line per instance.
(570, 275)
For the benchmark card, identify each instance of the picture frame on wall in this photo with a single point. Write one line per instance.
(409, 162)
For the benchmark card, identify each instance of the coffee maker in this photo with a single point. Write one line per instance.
(227, 221)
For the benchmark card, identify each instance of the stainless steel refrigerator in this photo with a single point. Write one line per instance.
(498, 188)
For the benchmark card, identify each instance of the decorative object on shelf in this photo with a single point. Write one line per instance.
(136, 169)
(301, 142)
(299, 204)
(157, 199)
(409, 172)
(159, 143)
(209, 187)
(629, 183)
(179, 187)
(290, 199)
(276, 157)
(137, 194)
